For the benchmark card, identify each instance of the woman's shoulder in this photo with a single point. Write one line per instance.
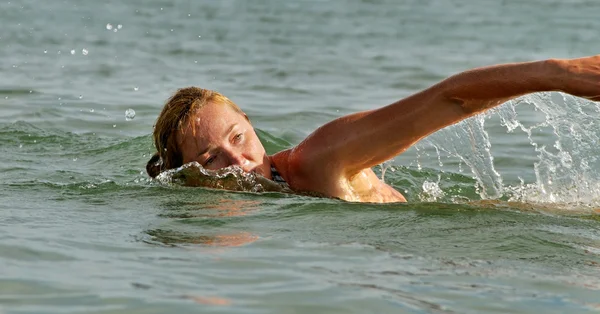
(303, 171)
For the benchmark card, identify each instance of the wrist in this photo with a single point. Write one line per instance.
(556, 74)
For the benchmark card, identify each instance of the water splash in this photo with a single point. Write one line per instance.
(129, 114)
(471, 134)
(231, 178)
(432, 191)
(387, 165)
(566, 170)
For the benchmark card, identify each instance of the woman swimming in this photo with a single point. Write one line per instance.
(335, 160)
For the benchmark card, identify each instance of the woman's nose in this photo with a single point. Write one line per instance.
(236, 159)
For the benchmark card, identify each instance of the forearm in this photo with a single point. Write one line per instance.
(481, 88)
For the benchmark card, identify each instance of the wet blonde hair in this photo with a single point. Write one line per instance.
(174, 116)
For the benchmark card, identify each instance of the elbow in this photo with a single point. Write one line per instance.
(465, 103)
(449, 94)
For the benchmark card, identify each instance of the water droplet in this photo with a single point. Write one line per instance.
(75, 159)
(119, 26)
(114, 125)
(136, 89)
(199, 36)
(129, 114)
(34, 141)
(84, 52)
(72, 51)
(171, 29)
(80, 96)
(115, 30)
(59, 98)
(92, 110)
(195, 61)
(20, 145)
(161, 9)
(189, 14)
(109, 26)
(5, 97)
(58, 52)
(45, 51)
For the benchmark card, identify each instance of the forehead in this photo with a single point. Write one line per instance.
(209, 123)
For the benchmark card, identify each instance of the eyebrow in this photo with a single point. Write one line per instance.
(204, 151)
(230, 129)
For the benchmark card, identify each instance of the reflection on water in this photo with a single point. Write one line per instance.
(201, 216)
(220, 240)
(232, 207)
(209, 300)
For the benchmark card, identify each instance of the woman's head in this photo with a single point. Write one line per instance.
(205, 126)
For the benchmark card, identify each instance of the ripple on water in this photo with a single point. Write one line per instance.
(20, 253)
(16, 91)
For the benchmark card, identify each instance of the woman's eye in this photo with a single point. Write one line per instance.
(238, 137)
(209, 160)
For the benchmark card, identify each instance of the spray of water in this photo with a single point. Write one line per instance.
(231, 178)
(568, 171)
(567, 168)
(471, 135)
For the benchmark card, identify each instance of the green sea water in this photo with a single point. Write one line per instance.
(503, 208)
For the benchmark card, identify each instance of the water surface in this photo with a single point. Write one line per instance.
(502, 213)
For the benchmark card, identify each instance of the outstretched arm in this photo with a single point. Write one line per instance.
(365, 139)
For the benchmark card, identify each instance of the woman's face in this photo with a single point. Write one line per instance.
(218, 136)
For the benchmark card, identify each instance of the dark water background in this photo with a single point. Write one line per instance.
(503, 208)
